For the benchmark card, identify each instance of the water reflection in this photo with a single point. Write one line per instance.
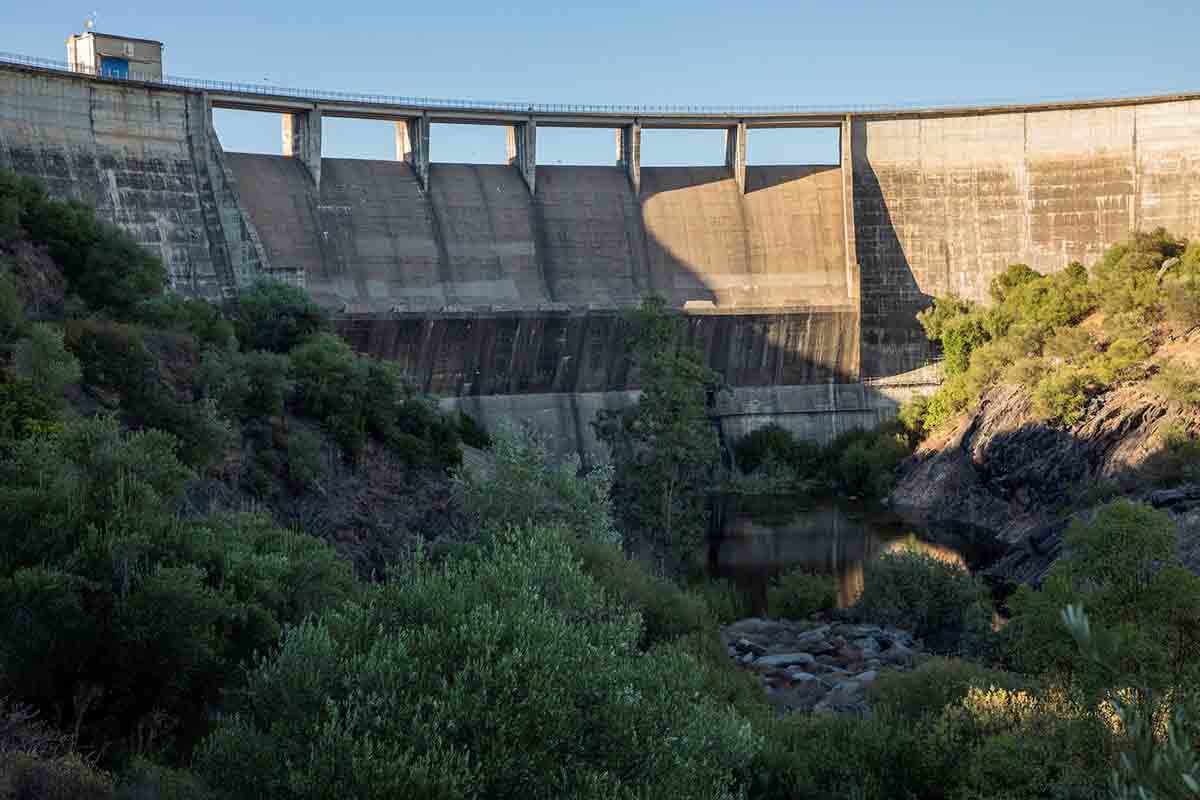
(754, 539)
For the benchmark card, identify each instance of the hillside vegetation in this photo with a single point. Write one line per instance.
(223, 575)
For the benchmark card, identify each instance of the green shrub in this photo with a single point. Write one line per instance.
(471, 432)
(933, 686)
(12, 310)
(959, 338)
(1014, 275)
(1123, 567)
(937, 600)
(274, 316)
(519, 486)
(117, 358)
(944, 310)
(105, 595)
(1177, 384)
(867, 466)
(725, 601)
(1126, 276)
(25, 777)
(24, 411)
(145, 780)
(246, 385)
(303, 458)
(667, 611)
(503, 673)
(799, 594)
(199, 318)
(843, 757)
(42, 359)
(102, 263)
(774, 442)
(1062, 394)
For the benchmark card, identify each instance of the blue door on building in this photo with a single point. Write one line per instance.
(114, 67)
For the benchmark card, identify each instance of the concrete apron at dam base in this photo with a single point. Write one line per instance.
(496, 286)
(817, 413)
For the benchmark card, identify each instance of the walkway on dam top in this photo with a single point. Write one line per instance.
(277, 99)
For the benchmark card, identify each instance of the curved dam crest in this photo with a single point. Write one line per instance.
(499, 287)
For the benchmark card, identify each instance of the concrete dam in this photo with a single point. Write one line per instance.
(500, 287)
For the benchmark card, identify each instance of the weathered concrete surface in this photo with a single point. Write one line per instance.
(818, 413)
(583, 239)
(148, 160)
(944, 203)
(530, 352)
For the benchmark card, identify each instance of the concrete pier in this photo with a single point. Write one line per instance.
(735, 153)
(629, 154)
(302, 140)
(412, 146)
(522, 151)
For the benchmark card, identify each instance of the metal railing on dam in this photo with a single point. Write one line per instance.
(508, 106)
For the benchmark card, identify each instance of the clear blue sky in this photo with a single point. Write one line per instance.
(625, 51)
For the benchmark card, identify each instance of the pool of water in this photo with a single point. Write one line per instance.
(754, 539)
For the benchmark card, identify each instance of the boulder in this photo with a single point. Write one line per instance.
(785, 660)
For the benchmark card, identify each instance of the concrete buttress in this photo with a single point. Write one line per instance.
(629, 154)
(412, 146)
(302, 140)
(522, 151)
(735, 153)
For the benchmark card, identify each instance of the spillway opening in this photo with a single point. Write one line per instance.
(372, 139)
(576, 147)
(671, 147)
(248, 131)
(455, 143)
(793, 146)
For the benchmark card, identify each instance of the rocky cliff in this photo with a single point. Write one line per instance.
(1003, 469)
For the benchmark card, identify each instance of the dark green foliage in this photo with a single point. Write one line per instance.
(1002, 285)
(24, 411)
(1122, 566)
(246, 385)
(69, 777)
(664, 448)
(503, 673)
(357, 397)
(959, 338)
(667, 611)
(145, 780)
(937, 600)
(201, 319)
(154, 386)
(42, 359)
(799, 594)
(102, 263)
(303, 458)
(944, 310)
(774, 442)
(934, 685)
(12, 310)
(274, 316)
(1177, 383)
(118, 617)
(520, 486)
(471, 432)
(1126, 276)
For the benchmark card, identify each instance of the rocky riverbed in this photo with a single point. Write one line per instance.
(818, 666)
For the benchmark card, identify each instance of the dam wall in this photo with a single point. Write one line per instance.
(942, 203)
(499, 287)
(147, 159)
(371, 239)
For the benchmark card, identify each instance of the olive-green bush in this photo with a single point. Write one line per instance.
(799, 594)
(938, 600)
(274, 316)
(117, 616)
(503, 673)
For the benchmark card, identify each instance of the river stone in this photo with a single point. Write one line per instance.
(846, 695)
(748, 658)
(750, 647)
(899, 654)
(803, 677)
(868, 646)
(866, 677)
(814, 634)
(785, 660)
